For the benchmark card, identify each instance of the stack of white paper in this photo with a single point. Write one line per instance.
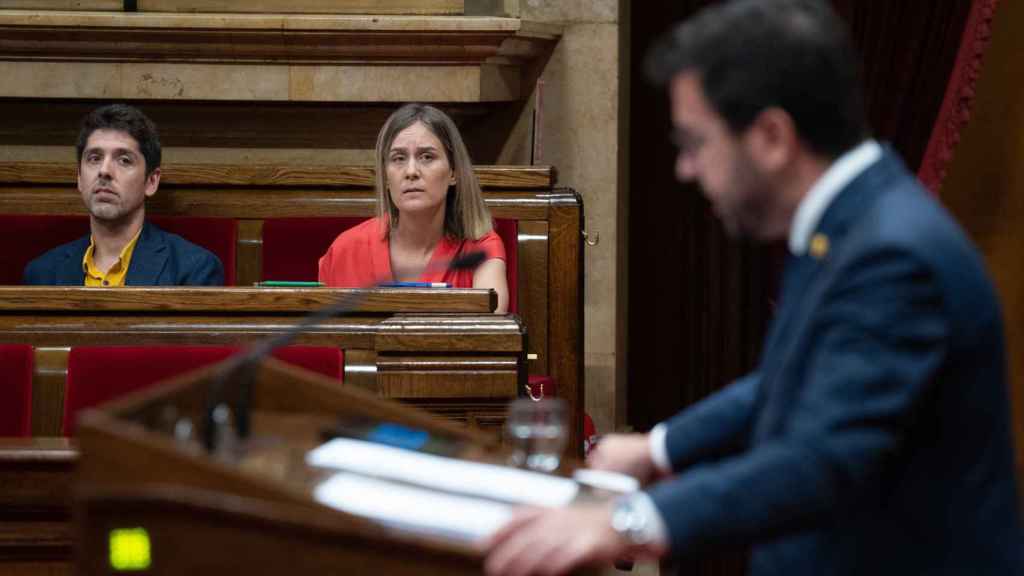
(489, 481)
(427, 493)
(415, 509)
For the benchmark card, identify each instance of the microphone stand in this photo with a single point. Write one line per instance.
(242, 367)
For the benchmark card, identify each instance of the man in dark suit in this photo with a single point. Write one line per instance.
(118, 168)
(873, 437)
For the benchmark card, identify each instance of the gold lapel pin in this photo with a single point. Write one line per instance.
(819, 246)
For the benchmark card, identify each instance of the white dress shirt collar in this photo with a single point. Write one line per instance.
(824, 191)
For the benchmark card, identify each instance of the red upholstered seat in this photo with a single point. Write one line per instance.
(29, 235)
(25, 236)
(97, 374)
(16, 364)
(292, 247)
(323, 359)
(218, 235)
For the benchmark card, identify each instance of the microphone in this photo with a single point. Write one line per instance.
(242, 366)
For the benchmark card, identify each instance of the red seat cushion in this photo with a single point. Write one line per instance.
(33, 234)
(218, 235)
(323, 359)
(26, 236)
(292, 247)
(16, 365)
(136, 367)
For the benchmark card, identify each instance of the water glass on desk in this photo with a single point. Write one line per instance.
(537, 430)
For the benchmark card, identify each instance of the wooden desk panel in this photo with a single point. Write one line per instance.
(462, 358)
(35, 505)
(138, 299)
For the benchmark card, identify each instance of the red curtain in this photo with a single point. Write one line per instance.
(908, 49)
(960, 93)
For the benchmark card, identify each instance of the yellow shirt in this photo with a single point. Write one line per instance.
(116, 274)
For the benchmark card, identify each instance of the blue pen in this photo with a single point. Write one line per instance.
(414, 284)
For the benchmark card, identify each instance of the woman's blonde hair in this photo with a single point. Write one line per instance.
(466, 215)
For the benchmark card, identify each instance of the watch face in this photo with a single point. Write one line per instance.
(628, 521)
(620, 516)
(625, 520)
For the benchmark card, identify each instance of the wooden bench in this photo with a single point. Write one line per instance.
(550, 264)
(441, 349)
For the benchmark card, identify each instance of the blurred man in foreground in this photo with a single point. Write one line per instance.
(874, 436)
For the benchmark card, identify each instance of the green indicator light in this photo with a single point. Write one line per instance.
(129, 549)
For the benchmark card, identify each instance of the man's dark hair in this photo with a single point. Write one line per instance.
(751, 55)
(123, 118)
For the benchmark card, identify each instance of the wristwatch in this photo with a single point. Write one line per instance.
(631, 522)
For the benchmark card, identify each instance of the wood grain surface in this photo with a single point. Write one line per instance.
(142, 300)
(525, 177)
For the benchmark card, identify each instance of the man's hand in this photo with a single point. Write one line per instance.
(546, 541)
(625, 453)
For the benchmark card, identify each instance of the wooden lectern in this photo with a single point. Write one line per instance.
(165, 505)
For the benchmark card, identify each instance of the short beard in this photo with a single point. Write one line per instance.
(754, 215)
(106, 212)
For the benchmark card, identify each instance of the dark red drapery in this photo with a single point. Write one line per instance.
(958, 101)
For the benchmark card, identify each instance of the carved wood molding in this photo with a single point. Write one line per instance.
(399, 7)
(258, 203)
(265, 38)
(450, 334)
(210, 175)
(408, 333)
(194, 301)
(440, 7)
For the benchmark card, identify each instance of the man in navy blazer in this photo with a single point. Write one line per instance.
(874, 435)
(118, 168)
(160, 258)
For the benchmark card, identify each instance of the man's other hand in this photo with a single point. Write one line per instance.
(627, 454)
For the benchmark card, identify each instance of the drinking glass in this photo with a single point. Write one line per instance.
(537, 430)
